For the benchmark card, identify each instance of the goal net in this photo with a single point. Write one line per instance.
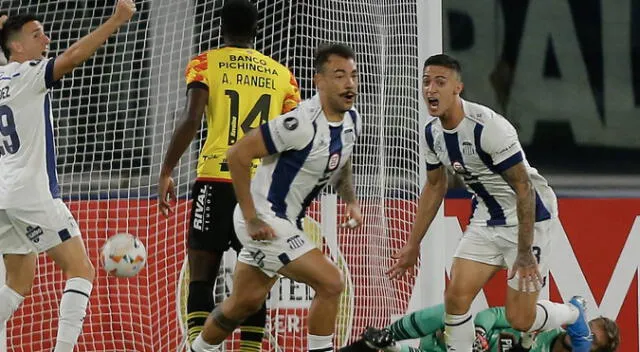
(114, 117)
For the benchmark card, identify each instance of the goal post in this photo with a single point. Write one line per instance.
(115, 115)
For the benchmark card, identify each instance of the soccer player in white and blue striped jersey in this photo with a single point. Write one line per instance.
(514, 212)
(33, 218)
(302, 151)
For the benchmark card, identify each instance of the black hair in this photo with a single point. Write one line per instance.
(325, 50)
(444, 60)
(239, 20)
(11, 26)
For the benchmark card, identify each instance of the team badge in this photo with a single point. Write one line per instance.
(334, 160)
(458, 167)
(467, 148)
(291, 123)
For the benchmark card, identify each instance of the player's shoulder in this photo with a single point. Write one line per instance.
(485, 116)
(479, 113)
(432, 124)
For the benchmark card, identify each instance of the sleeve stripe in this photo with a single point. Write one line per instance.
(354, 118)
(268, 141)
(509, 162)
(433, 166)
(48, 74)
(429, 137)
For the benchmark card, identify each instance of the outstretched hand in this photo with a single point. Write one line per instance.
(406, 258)
(526, 266)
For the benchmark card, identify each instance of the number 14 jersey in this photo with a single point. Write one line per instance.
(246, 89)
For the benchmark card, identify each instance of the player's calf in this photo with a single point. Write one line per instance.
(71, 257)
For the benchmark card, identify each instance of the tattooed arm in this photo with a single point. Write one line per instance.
(518, 178)
(525, 264)
(344, 187)
(344, 183)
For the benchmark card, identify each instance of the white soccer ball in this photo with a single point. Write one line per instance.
(123, 255)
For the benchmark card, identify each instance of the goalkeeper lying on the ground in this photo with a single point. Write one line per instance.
(493, 333)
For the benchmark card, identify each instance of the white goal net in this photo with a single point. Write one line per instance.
(114, 117)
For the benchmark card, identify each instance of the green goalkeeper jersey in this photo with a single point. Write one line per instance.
(428, 325)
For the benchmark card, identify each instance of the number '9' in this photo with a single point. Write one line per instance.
(9, 141)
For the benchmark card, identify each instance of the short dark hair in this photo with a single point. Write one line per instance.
(613, 335)
(444, 60)
(239, 20)
(12, 26)
(325, 50)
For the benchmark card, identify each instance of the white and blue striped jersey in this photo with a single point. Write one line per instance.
(27, 151)
(306, 153)
(479, 149)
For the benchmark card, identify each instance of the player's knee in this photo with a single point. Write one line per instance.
(22, 287)
(457, 302)
(204, 265)
(332, 286)
(248, 303)
(83, 268)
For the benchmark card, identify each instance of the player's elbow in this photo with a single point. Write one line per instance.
(524, 188)
(237, 157)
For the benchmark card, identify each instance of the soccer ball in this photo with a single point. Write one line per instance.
(123, 255)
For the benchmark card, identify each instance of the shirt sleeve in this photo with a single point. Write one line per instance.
(287, 132)
(39, 74)
(430, 153)
(196, 72)
(292, 98)
(357, 121)
(500, 141)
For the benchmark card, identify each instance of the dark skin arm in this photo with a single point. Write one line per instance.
(525, 264)
(182, 137)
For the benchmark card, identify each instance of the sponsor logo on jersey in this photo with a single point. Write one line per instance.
(34, 233)
(295, 242)
(334, 161)
(291, 123)
(458, 167)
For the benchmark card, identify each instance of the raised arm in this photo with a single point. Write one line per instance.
(82, 50)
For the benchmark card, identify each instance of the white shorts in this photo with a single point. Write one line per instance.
(498, 245)
(270, 256)
(36, 230)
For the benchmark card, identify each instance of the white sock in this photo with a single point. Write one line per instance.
(317, 343)
(550, 315)
(200, 345)
(10, 300)
(459, 332)
(73, 309)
